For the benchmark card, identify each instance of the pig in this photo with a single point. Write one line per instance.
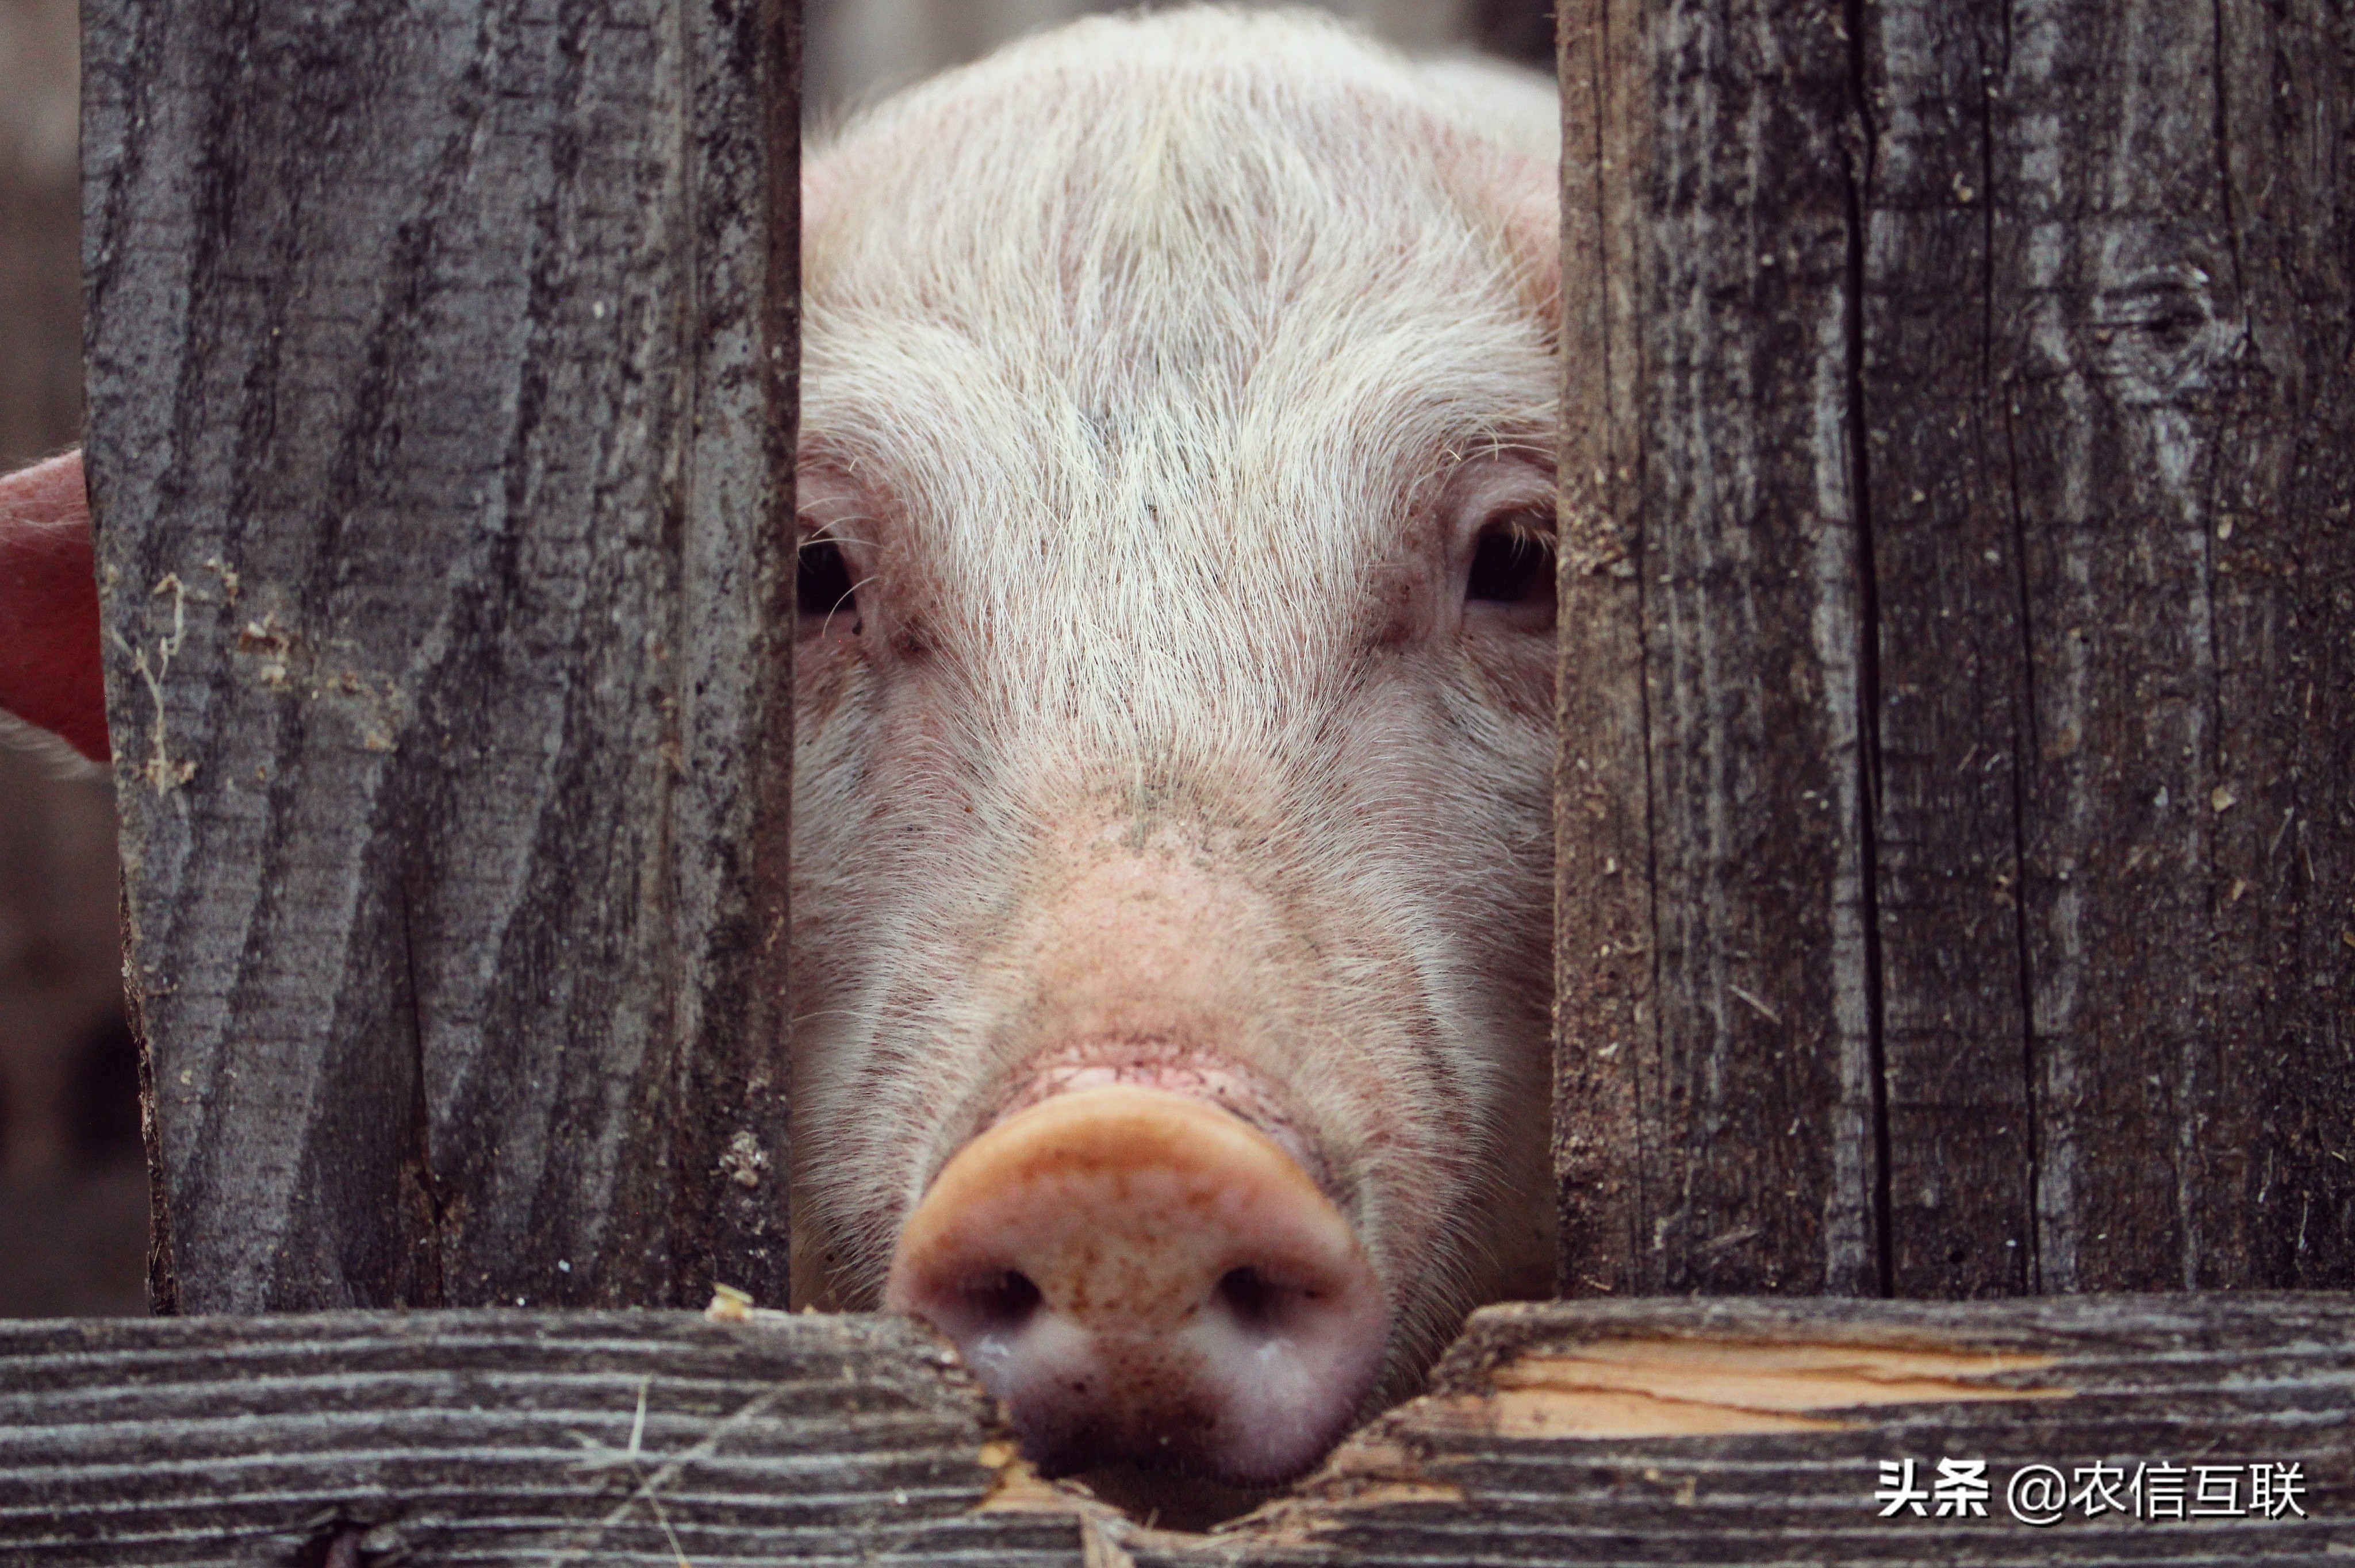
(1174, 691)
(1175, 695)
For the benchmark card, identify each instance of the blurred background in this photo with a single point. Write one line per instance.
(73, 1192)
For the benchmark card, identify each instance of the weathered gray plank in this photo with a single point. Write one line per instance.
(1670, 1431)
(1604, 1018)
(1955, 676)
(440, 370)
(2114, 565)
(499, 1437)
(1707, 179)
(1491, 1468)
(2271, 1190)
(1962, 385)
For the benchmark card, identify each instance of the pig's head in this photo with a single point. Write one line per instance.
(1175, 686)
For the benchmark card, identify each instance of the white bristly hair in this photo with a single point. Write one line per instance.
(1158, 373)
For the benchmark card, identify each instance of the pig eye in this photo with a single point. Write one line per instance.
(1512, 565)
(824, 589)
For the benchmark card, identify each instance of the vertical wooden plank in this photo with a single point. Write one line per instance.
(1953, 690)
(2114, 568)
(2111, 547)
(1605, 1022)
(439, 375)
(2173, 214)
(2270, 1128)
(735, 691)
(2085, 355)
(1725, 160)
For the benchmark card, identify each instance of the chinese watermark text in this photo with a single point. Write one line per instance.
(2044, 1495)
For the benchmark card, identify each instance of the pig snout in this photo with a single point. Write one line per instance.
(1141, 1276)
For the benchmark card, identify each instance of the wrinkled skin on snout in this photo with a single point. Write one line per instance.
(1175, 695)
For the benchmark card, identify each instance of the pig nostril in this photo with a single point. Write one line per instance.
(1254, 1301)
(1004, 1301)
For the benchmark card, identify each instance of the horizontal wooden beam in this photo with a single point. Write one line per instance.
(496, 1437)
(1749, 1431)
(1663, 1430)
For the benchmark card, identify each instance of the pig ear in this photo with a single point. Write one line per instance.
(814, 190)
(1532, 234)
(1517, 198)
(48, 606)
(1507, 169)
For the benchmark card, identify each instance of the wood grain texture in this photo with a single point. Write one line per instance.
(1605, 1029)
(1708, 194)
(1962, 385)
(497, 1438)
(1465, 1477)
(440, 368)
(2114, 592)
(1956, 678)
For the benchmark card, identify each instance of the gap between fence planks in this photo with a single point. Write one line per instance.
(497, 1438)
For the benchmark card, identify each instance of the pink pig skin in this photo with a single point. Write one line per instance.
(49, 671)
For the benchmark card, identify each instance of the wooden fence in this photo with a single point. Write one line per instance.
(1956, 842)
(2190, 1429)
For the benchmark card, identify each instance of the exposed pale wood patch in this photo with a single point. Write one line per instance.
(1633, 1388)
